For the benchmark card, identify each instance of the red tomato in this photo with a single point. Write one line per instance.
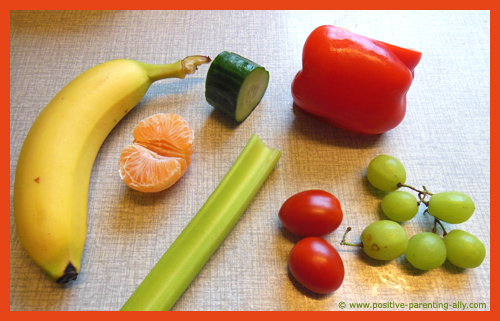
(316, 265)
(311, 213)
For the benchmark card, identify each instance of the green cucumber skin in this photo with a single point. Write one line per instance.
(225, 77)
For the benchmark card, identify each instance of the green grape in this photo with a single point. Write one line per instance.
(400, 206)
(464, 249)
(426, 251)
(385, 173)
(384, 240)
(451, 207)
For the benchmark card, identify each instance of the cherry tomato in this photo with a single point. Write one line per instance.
(316, 265)
(311, 213)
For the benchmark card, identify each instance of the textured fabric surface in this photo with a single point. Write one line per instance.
(444, 143)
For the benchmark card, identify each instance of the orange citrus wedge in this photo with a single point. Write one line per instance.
(160, 154)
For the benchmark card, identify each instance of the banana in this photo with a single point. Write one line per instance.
(55, 163)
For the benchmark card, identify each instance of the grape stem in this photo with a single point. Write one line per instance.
(343, 242)
(436, 221)
(422, 194)
(425, 191)
(440, 224)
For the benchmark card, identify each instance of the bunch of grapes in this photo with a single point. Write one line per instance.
(387, 240)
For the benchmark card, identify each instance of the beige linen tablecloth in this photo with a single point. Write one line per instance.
(444, 143)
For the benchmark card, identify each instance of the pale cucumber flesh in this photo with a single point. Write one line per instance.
(251, 93)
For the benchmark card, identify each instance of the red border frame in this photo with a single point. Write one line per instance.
(223, 5)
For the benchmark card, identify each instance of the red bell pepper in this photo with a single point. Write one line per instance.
(353, 82)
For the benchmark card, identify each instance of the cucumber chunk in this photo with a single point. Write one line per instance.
(235, 85)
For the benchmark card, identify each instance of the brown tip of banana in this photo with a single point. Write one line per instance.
(69, 274)
(190, 64)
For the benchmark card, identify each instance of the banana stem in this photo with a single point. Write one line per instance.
(202, 236)
(179, 69)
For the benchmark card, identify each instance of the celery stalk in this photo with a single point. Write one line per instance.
(202, 236)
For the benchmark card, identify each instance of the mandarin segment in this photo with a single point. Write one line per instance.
(165, 128)
(168, 150)
(160, 154)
